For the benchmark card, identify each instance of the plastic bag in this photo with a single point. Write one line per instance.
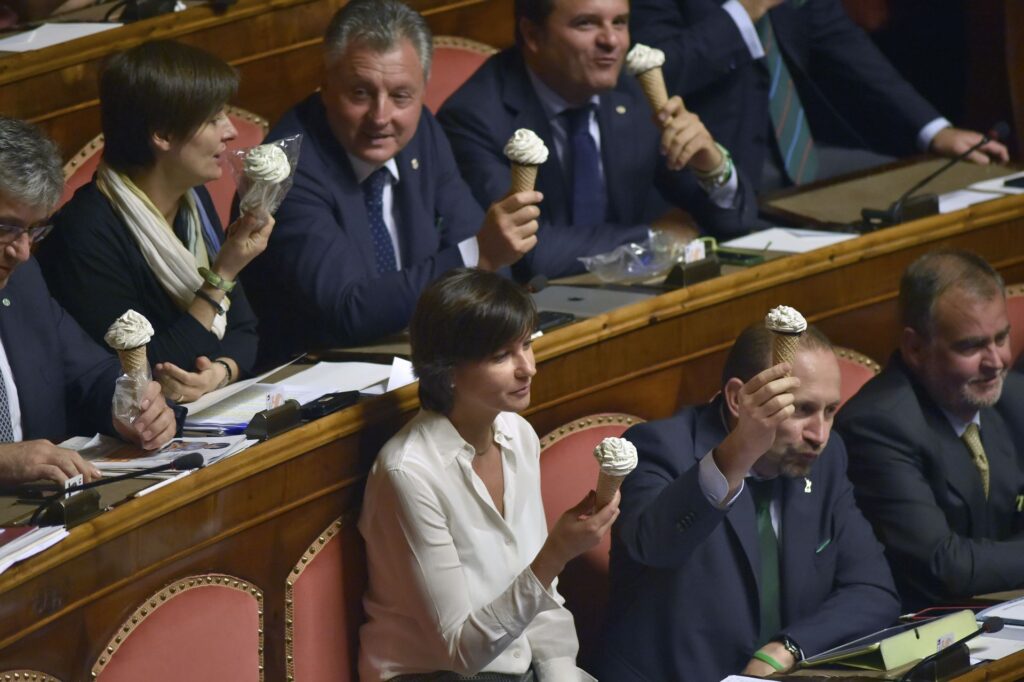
(637, 262)
(260, 174)
(129, 392)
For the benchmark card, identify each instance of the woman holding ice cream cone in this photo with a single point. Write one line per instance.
(462, 567)
(143, 235)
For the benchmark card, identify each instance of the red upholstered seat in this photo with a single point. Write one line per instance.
(455, 60)
(567, 471)
(855, 370)
(1015, 311)
(251, 131)
(324, 604)
(204, 628)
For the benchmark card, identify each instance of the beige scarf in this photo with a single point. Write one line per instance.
(176, 267)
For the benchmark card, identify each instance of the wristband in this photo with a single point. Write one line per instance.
(765, 658)
(229, 374)
(216, 281)
(717, 177)
(209, 299)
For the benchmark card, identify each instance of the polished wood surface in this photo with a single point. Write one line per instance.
(252, 516)
(274, 44)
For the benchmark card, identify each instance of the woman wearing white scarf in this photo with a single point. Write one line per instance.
(144, 234)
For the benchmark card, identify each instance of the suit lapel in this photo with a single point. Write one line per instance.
(617, 145)
(961, 474)
(22, 355)
(801, 532)
(416, 222)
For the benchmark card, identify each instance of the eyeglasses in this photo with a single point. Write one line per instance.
(36, 233)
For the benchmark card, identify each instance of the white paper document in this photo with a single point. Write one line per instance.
(51, 34)
(788, 240)
(998, 185)
(962, 198)
(993, 647)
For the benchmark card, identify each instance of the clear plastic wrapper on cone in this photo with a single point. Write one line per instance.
(265, 173)
(128, 335)
(607, 485)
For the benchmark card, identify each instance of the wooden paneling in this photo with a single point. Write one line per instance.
(274, 44)
(253, 515)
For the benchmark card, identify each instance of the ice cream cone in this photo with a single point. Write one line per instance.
(133, 360)
(653, 83)
(607, 484)
(784, 347)
(524, 177)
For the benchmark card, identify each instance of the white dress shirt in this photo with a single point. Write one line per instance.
(749, 33)
(468, 248)
(450, 583)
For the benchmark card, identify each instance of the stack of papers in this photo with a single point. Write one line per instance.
(212, 450)
(230, 411)
(21, 542)
(788, 240)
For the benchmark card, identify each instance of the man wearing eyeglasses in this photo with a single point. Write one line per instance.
(55, 380)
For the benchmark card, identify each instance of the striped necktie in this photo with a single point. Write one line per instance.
(972, 438)
(6, 425)
(373, 197)
(792, 132)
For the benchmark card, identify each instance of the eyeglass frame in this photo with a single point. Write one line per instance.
(36, 233)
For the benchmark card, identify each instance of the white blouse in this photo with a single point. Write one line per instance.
(450, 584)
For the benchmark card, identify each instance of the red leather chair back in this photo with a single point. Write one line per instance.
(568, 471)
(1015, 311)
(855, 370)
(455, 60)
(324, 605)
(204, 628)
(251, 131)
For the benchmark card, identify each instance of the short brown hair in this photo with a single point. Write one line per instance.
(752, 352)
(159, 87)
(934, 273)
(466, 315)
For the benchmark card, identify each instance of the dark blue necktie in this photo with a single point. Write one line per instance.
(373, 196)
(588, 197)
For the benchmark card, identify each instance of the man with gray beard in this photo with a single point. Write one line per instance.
(936, 441)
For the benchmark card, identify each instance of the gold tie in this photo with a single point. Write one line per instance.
(972, 438)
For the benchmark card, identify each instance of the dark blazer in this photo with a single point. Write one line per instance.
(917, 484)
(95, 268)
(65, 381)
(852, 94)
(499, 99)
(316, 285)
(684, 574)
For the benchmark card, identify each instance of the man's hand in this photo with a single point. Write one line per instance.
(155, 425)
(509, 230)
(761, 404)
(758, 8)
(776, 651)
(32, 460)
(685, 140)
(183, 386)
(953, 142)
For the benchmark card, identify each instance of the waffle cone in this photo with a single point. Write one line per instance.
(524, 178)
(607, 484)
(653, 83)
(133, 360)
(784, 348)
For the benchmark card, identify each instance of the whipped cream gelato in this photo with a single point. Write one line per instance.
(267, 163)
(617, 456)
(526, 148)
(642, 58)
(785, 320)
(131, 330)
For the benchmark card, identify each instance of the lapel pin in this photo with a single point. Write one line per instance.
(807, 486)
(415, 163)
(7, 302)
(620, 109)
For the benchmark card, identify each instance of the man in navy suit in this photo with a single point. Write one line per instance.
(721, 58)
(378, 209)
(55, 380)
(569, 57)
(937, 439)
(739, 546)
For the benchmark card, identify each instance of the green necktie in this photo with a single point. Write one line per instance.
(792, 132)
(972, 438)
(768, 542)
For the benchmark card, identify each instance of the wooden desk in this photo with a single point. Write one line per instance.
(252, 516)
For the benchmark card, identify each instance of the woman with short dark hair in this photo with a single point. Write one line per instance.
(462, 568)
(144, 234)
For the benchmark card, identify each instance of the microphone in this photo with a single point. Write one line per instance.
(74, 510)
(907, 208)
(988, 626)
